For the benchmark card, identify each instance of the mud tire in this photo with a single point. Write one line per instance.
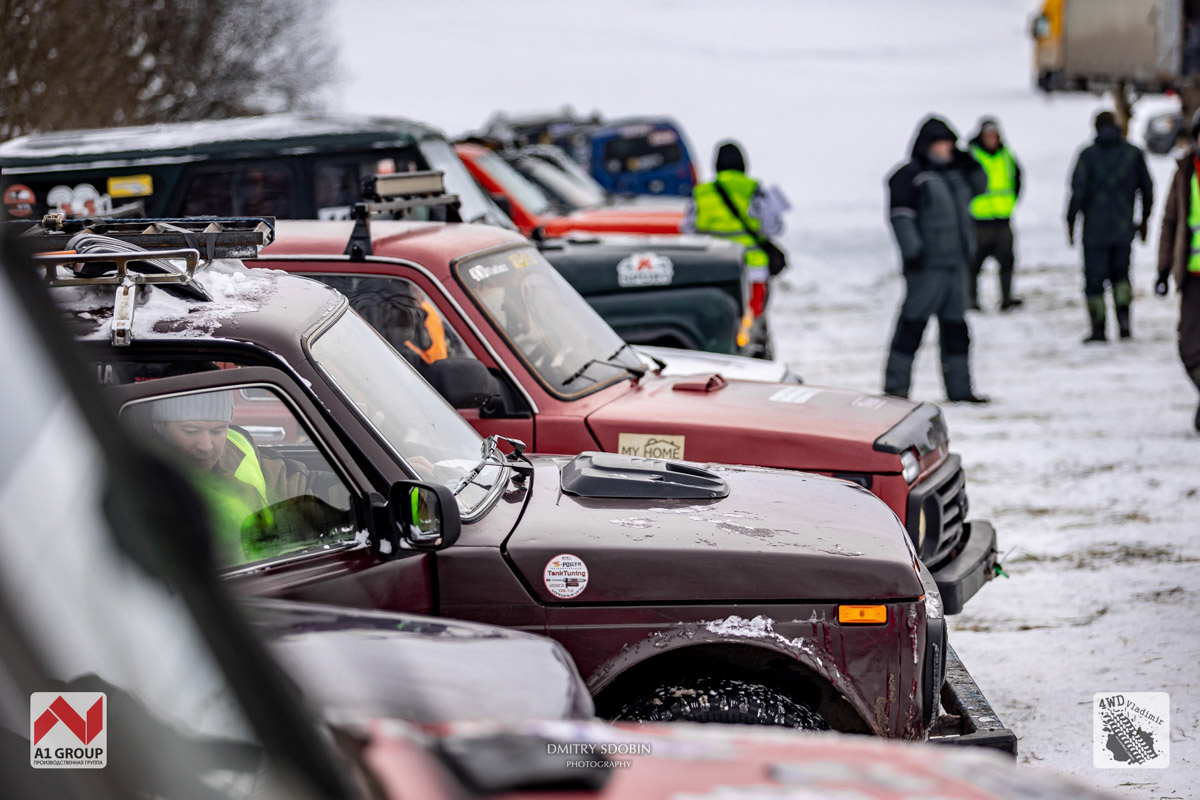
(721, 700)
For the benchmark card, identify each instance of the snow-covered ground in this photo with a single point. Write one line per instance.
(1085, 462)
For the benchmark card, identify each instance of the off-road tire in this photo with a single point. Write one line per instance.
(721, 700)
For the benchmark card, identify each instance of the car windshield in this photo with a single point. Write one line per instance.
(404, 411)
(476, 205)
(550, 326)
(640, 149)
(524, 193)
(573, 195)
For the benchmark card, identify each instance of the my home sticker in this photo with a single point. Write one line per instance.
(1131, 730)
(68, 730)
(650, 445)
(565, 576)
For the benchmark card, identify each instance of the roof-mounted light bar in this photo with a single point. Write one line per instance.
(398, 194)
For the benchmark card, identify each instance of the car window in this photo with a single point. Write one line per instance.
(477, 206)
(523, 192)
(554, 181)
(551, 327)
(269, 489)
(337, 183)
(209, 194)
(642, 151)
(404, 314)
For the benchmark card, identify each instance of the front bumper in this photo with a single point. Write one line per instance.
(970, 721)
(975, 564)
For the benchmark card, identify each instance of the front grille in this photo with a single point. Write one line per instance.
(943, 495)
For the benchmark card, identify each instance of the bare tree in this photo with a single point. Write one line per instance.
(98, 63)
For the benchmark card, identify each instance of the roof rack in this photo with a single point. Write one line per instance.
(130, 254)
(398, 194)
(215, 237)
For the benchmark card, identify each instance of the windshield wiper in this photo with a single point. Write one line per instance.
(636, 372)
(487, 456)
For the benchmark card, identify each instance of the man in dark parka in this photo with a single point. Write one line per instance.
(930, 199)
(1107, 178)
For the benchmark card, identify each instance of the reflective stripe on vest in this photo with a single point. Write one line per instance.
(1193, 264)
(1000, 198)
(714, 217)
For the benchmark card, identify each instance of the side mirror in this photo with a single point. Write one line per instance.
(502, 200)
(464, 381)
(424, 516)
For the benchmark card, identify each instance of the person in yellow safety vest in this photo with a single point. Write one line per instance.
(1179, 254)
(226, 469)
(993, 212)
(709, 213)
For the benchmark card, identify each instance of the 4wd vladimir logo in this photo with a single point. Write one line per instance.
(645, 269)
(68, 730)
(1131, 730)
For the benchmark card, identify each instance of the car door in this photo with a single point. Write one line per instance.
(293, 515)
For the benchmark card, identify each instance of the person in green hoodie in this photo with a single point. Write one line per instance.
(1108, 177)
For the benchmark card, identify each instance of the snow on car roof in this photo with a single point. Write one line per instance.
(184, 135)
(233, 288)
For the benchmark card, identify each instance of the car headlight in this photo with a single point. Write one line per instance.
(910, 465)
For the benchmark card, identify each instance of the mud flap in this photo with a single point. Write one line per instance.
(970, 721)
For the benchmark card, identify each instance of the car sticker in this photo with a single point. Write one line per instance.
(661, 138)
(645, 269)
(481, 272)
(868, 401)
(794, 394)
(131, 186)
(651, 445)
(565, 576)
(18, 200)
(80, 201)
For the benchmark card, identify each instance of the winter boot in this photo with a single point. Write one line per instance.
(1123, 322)
(1095, 307)
(1122, 299)
(1194, 374)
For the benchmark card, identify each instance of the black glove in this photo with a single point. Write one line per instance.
(1142, 228)
(1160, 285)
(913, 265)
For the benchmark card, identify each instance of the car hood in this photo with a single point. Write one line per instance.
(767, 424)
(616, 219)
(777, 536)
(697, 362)
(357, 664)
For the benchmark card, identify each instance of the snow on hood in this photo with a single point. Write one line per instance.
(233, 289)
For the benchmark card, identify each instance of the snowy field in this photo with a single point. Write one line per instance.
(1085, 461)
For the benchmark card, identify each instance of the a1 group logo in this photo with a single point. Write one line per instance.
(68, 730)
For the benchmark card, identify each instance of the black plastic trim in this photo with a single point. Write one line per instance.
(959, 580)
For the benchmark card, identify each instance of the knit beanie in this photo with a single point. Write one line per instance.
(202, 407)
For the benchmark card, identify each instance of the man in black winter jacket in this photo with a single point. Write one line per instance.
(931, 219)
(1108, 176)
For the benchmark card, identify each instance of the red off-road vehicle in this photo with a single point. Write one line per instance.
(681, 591)
(526, 357)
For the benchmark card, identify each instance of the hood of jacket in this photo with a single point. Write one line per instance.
(1109, 136)
(930, 131)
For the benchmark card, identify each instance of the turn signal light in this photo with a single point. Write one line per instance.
(862, 615)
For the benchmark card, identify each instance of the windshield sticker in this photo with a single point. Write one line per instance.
(794, 394)
(18, 200)
(131, 186)
(479, 273)
(645, 269)
(520, 259)
(84, 200)
(662, 138)
(868, 401)
(651, 445)
(565, 576)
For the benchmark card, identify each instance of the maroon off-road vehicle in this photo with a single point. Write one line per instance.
(529, 359)
(681, 591)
